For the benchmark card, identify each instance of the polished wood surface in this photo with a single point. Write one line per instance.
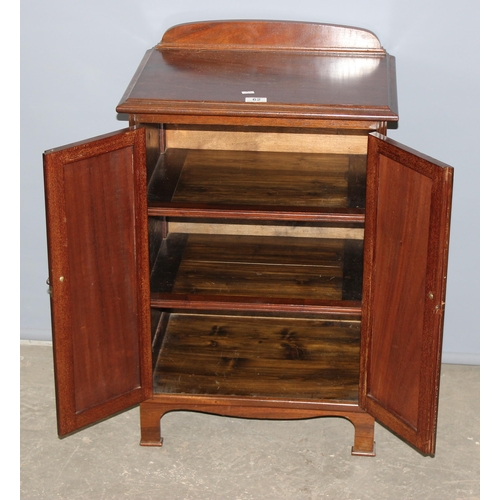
(153, 410)
(98, 260)
(316, 82)
(208, 119)
(271, 35)
(406, 249)
(259, 356)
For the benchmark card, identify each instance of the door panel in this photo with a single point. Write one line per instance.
(406, 251)
(98, 268)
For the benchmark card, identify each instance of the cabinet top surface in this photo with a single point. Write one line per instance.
(265, 69)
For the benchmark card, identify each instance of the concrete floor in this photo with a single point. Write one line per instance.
(209, 457)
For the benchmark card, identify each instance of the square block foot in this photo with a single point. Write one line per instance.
(363, 453)
(152, 443)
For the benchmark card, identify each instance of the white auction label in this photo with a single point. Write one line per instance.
(255, 99)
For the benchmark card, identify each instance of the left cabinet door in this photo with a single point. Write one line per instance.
(97, 236)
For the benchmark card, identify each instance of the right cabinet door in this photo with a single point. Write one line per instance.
(408, 205)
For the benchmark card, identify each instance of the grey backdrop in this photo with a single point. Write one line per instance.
(78, 57)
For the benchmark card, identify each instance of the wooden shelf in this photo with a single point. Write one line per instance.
(258, 356)
(258, 181)
(225, 267)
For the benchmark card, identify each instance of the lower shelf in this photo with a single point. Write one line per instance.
(290, 358)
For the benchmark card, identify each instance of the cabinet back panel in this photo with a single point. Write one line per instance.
(278, 142)
(285, 230)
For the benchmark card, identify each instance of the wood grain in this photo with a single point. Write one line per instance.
(195, 72)
(274, 35)
(234, 177)
(293, 230)
(406, 251)
(245, 266)
(258, 356)
(317, 181)
(98, 261)
(269, 140)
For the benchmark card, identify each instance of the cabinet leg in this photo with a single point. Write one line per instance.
(152, 411)
(364, 430)
(151, 414)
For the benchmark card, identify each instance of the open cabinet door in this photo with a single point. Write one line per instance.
(98, 271)
(406, 252)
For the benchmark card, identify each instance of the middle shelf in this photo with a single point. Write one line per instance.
(257, 269)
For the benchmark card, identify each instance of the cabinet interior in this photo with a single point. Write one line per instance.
(251, 296)
(257, 356)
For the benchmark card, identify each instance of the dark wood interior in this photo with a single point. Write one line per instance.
(258, 266)
(259, 178)
(259, 356)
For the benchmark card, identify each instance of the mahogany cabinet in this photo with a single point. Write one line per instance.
(252, 245)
